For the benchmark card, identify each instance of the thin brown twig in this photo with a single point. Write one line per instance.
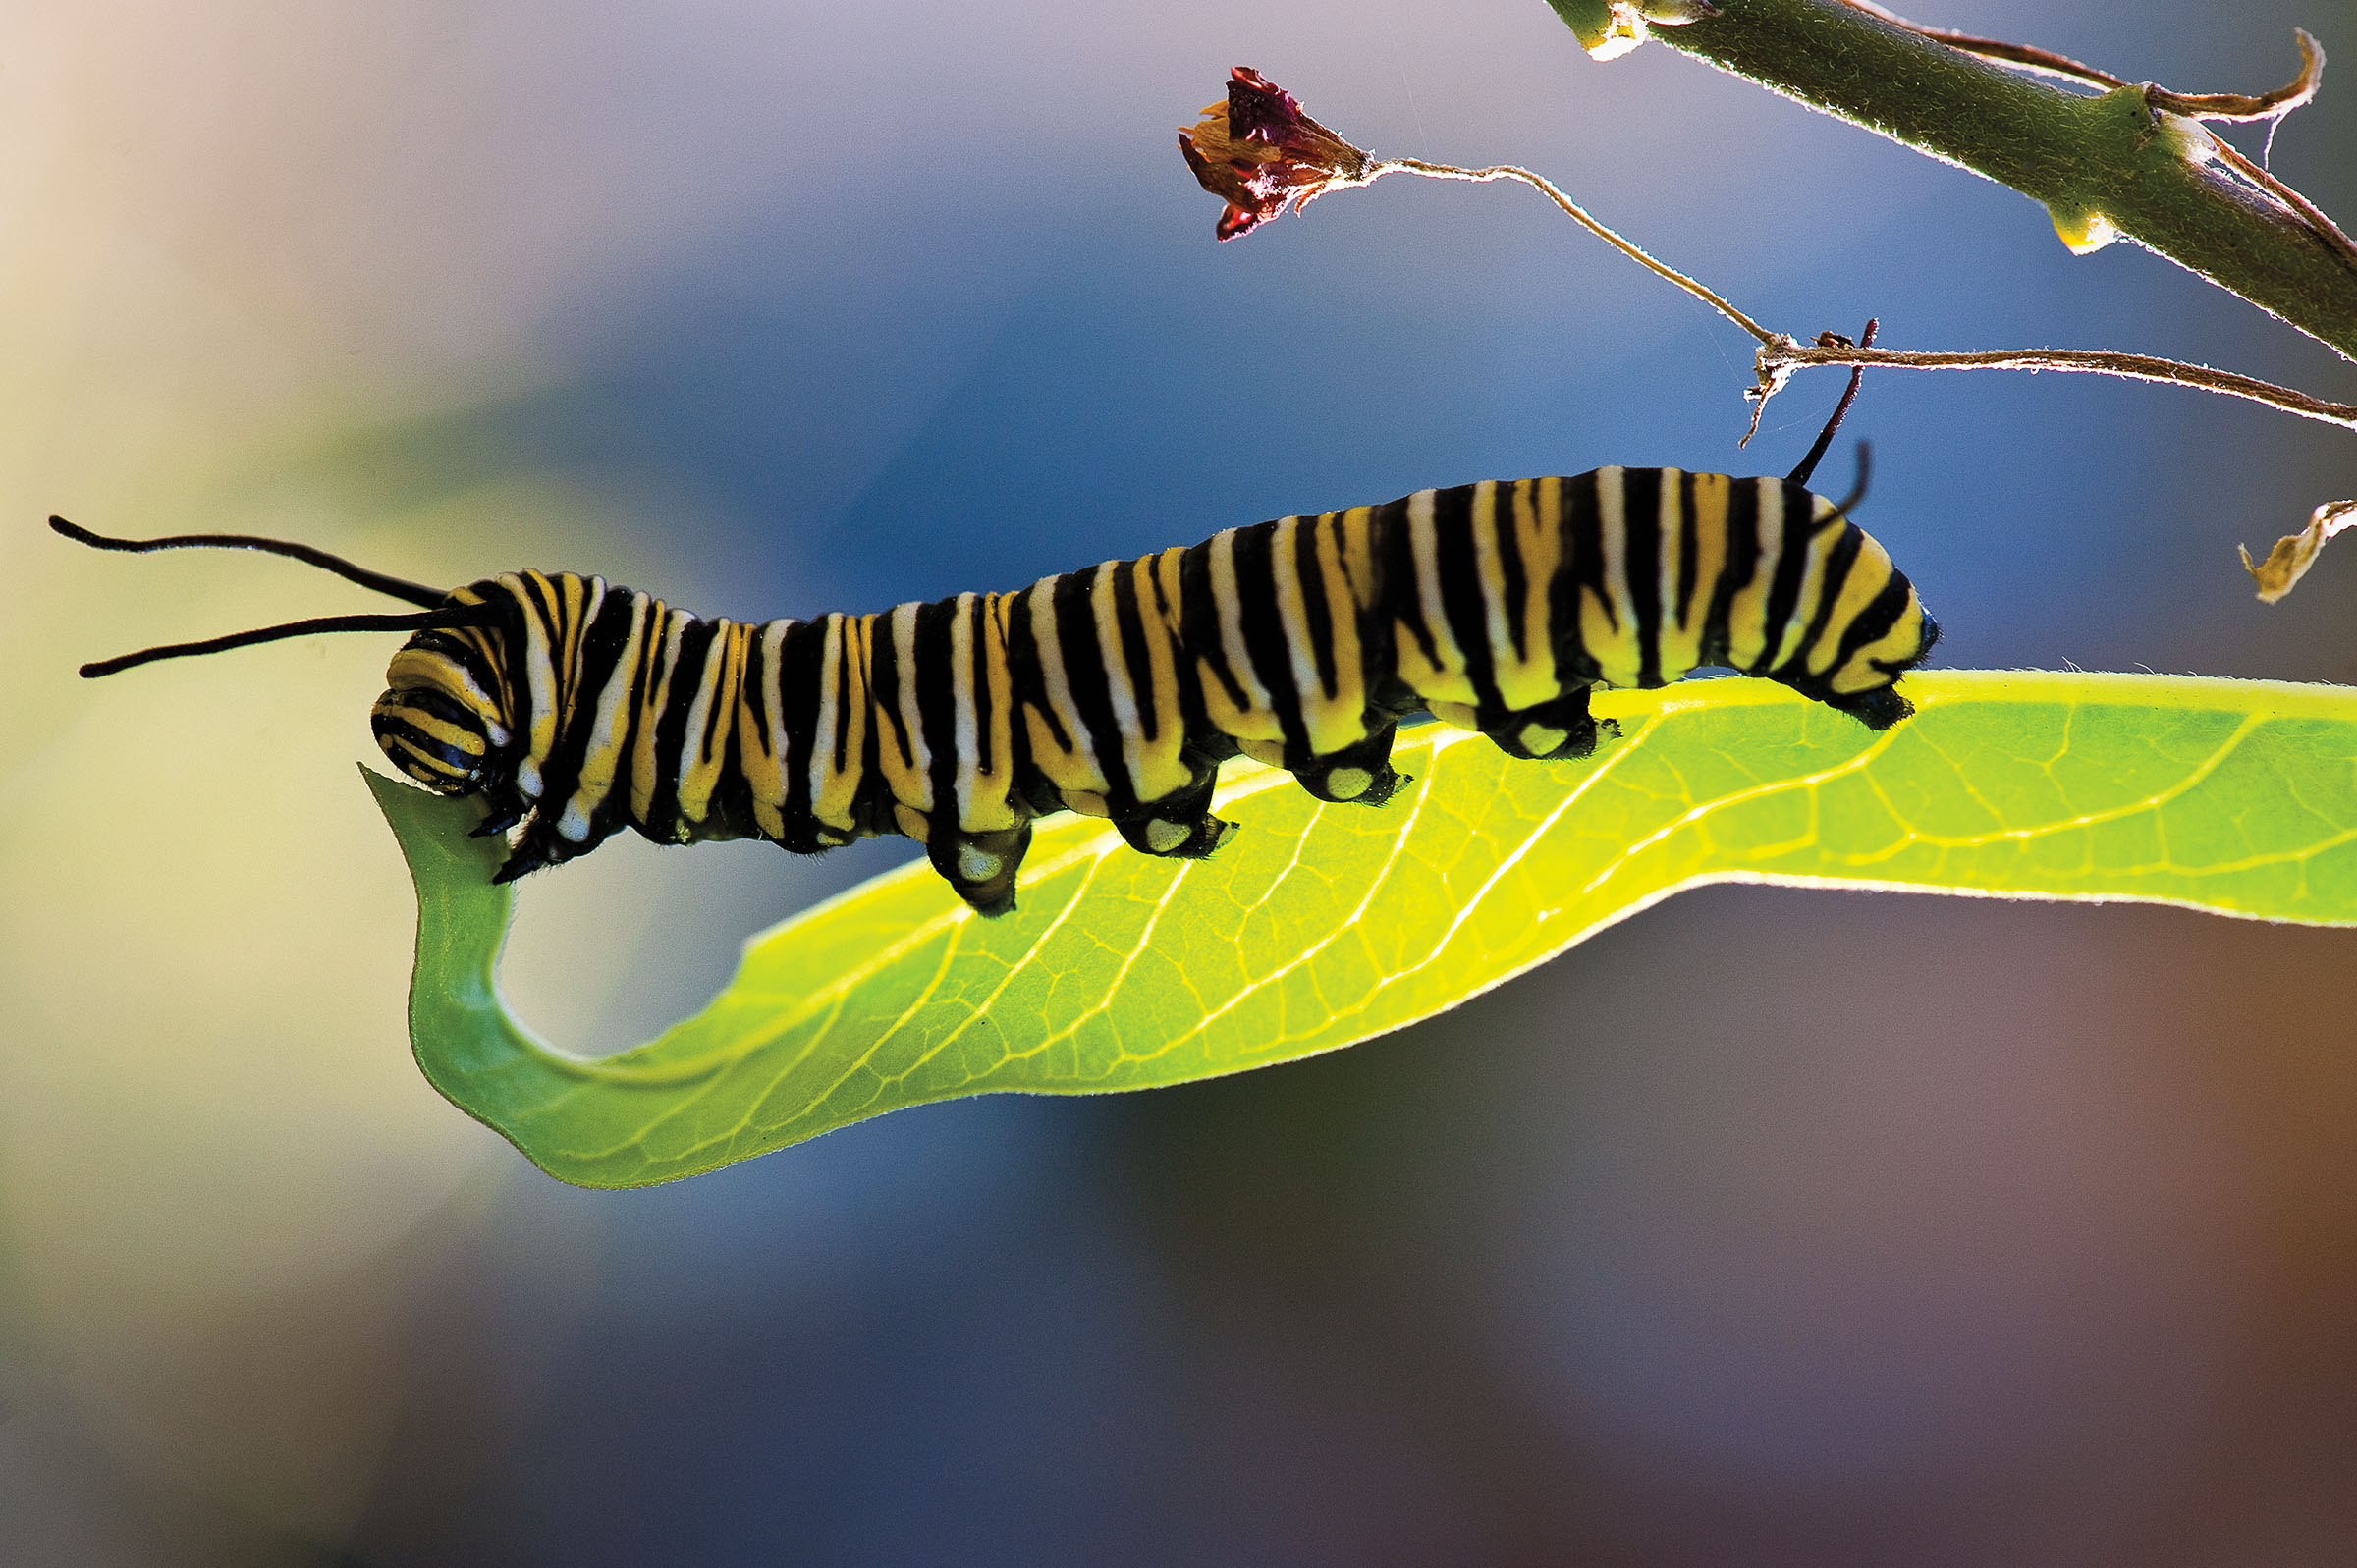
(1778, 359)
(2310, 214)
(1780, 354)
(2028, 56)
(2274, 106)
(1621, 242)
(2294, 95)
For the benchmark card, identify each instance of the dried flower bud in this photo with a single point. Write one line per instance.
(1258, 152)
(2295, 552)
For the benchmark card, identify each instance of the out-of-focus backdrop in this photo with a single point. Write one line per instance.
(1768, 1227)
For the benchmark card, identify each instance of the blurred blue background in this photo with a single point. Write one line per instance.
(1768, 1227)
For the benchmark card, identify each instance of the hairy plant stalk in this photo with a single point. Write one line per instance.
(2120, 164)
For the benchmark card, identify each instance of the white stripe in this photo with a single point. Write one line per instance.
(591, 791)
(1231, 607)
(1308, 687)
(1120, 691)
(1489, 574)
(903, 647)
(1423, 541)
(700, 712)
(1612, 518)
(1050, 643)
(822, 741)
(963, 677)
(773, 698)
(1769, 505)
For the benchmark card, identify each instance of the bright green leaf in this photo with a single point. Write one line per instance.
(1319, 925)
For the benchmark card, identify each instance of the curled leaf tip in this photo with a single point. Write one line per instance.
(1260, 153)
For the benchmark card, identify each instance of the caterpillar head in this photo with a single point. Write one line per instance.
(442, 720)
(1894, 637)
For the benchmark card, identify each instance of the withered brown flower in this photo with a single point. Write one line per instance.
(1259, 153)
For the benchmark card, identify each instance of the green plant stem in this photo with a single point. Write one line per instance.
(2083, 157)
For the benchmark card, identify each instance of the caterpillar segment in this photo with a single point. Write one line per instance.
(576, 708)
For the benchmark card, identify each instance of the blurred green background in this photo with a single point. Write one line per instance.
(1767, 1228)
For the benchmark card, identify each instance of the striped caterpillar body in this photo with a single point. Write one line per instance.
(576, 708)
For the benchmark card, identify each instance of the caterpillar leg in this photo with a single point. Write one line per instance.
(981, 866)
(1879, 709)
(1179, 825)
(1358, 775)
(1550, 731)
(544, 843)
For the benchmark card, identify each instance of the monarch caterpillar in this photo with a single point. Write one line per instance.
(575, 708)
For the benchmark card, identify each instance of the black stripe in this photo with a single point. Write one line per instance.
(1512, 573)
(1199, 626)
(1572, 662)
(1783, 593)
(1127, 619)
(469, 659)
(1084, 672)
(1741, 560)
(1460, 588)
(871, 795)
(1838, 562)
(1875, 622)
(1194, 722)
(937, 704)
(601, 651)
(1641, 564)
(980, 624)
(1688, 544)
(1028, 674)
(1580, 575)
(800, 669)
(1394, 554)
(671, 728)
(1265, 642)
(1317, 614)
(1386, 695)
(884, 686)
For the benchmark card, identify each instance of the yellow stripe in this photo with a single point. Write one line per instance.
(540, 680)
(1712, 494)
(653, 698)
(705, 746)
(1748, 612)
(1905, 640)
(1537, 519)
(1608, 626)
(1332, 719)
(1357, 528)
(1257, 719)
(763, 743)
(1154, 769)
(1441, 677)
(610, 728)
(1069, 768)
(903, 752)
(1869, 573)
(422, 759)
(433, 728)
(1820, 544)
(842, 722)
(978, 688)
